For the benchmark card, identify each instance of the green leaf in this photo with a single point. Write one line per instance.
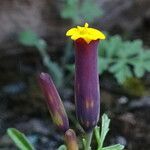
(103, 64)
(146, 65)
(114, 147)
(55, 71)
(146, 54)
(79, 11)
(117, 66)
(123, 74)
(28, 38)
(139, 70)
(131, 48)
(62, 147)
(104, 129)
(123, 59)
(113, 45)
(110, 46)
(100, 136)
(88, 13)
(19, 139)
(70, 11)
(121, 71)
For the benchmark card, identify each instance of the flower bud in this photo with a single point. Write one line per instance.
(54, 103)
(71, 140)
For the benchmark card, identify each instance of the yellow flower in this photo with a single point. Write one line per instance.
(86, 33)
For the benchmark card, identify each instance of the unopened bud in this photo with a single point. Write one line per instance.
(54, 103)
(71, 140)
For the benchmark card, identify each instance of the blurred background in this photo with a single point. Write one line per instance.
(32, 39)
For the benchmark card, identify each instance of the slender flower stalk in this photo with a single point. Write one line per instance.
(87, 94)
(54, 103)
(71, 140)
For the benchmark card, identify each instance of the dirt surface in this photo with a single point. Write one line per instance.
(22, 107)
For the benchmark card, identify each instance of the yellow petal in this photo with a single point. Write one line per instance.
(71, 31)
(86, 33)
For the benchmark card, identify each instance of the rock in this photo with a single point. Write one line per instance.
(119, 140)
(6, 143)
(123, 100)
(43, 17)
(18, 15)
(36, 126)
(14, 88)
(127, 15)
(139, 104)
(128, 119)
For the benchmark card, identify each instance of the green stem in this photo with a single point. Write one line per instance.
(88, 140)
(53, 68)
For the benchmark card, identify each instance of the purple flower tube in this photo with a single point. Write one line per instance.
(87, 94)
(54, 103)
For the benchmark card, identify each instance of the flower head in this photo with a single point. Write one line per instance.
(86, 33)
(87, 92)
